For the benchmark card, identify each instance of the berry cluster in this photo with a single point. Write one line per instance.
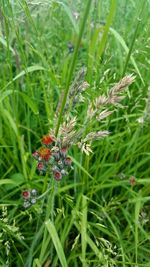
(29, 197)
(52, 158)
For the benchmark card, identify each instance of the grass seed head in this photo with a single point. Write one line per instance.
(96, 135)
(122, 84)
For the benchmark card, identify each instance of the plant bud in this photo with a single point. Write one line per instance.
(63, 151)
(41, 166)
(26, 204)
(57, 175)
(67, 161)
(132, 181)
(60, 164)
(34, 192)
(26, 194)
(35, 155)
(56, 155)
(63, 172)
(33, 201)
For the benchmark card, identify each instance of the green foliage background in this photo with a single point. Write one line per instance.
(96, 217)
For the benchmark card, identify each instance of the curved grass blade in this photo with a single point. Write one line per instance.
(11, 121)
(4, 43)
(56, 241)
(26, 98)
(92, 245)
(123, 44)
(73, 63)
(7, 181)
(24, 72)
(84, 230)
(133, 39)
(81, 167)
(106, 28)
(69, 13)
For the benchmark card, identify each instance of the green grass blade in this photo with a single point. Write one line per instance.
(126, 49)
(133, 39)
(118, 235)
(92, 245)
(73, 63)
(84, 230)
(7, 181)
(106, 28)
(137, 213)
(56, 241)
(81, 167)
(95, 249)
(37, 263)
(11, 121)
(32, 105)
(4, 43)
(24, 72)
(69, 13)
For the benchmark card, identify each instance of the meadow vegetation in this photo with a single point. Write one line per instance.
(97, 215)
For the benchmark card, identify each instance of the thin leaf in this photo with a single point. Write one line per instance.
(24, 72)
(81, 167)
(106, 28)
(7, 181)
(37, 263)
(70, 15)
(84, 230)
(10, 121)
(56, 241)
(2, 40)
(123, 44)
(25, 97)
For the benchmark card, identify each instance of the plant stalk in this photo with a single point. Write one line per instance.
(73, 63)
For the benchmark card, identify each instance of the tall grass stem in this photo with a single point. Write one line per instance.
(133, 39)
(73, 63)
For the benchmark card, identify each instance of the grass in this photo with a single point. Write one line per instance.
(94, 216)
